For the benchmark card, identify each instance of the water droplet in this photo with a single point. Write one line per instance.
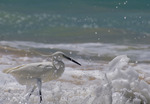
(55, 71)
(95, 32)
(136, 62)
(70, 52)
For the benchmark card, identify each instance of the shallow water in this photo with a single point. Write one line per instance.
(101, 35)
(97, 81)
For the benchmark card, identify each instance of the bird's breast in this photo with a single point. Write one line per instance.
(52, 75)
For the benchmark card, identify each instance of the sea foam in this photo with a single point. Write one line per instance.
(122, 85)
(118, 83)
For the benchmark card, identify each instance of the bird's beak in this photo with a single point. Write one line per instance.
(71, 59)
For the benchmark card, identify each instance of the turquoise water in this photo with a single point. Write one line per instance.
(123, 25)
(93, 32)
(78, 21)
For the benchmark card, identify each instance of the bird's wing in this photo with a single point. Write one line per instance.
(9, 70)
(33, 69)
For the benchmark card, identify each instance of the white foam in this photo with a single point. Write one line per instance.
(89, 49)
(126, 88)
(118, 84)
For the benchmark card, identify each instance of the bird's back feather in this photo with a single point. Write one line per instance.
(9, 70)
(27, 73)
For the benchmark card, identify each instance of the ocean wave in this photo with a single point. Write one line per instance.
(92, 50)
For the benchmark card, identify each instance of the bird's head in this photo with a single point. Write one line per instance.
(59, 55)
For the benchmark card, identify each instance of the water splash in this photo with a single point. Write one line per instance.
(125, 86)
(118, 83)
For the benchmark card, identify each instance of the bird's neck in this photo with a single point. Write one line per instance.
(58, 64)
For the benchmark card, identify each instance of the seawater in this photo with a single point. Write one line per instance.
(109, 38)
(110, 74)
(81, 21)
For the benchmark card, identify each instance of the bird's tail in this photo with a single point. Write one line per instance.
(9, 70)
(6, 70)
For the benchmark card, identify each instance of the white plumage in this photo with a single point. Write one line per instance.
(35, 73)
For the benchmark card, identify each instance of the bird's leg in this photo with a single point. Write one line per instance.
(39, 85)
(30, 93)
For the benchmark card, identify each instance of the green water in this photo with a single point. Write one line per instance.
(65, 21)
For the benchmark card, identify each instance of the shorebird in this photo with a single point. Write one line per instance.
(34, 74)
